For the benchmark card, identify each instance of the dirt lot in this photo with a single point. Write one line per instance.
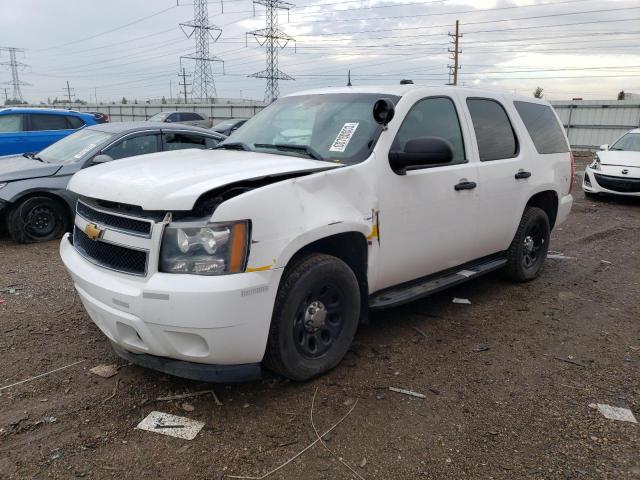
(499, 403)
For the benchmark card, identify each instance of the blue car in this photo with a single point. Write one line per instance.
(27, 130)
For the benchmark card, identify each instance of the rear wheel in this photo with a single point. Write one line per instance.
(315, 317)
(529, 247)
(37, 219)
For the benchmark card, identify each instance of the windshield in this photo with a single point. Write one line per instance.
(73, 147)
(630, 143)
(159, 117)
(333, 127)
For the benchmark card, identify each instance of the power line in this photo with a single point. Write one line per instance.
(273, 39)
(204, 87)
(14, 65)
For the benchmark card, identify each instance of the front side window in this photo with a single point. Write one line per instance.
(630, 143)
(543, 127)
(494, 133)
(433, 117)
(180, 141)
(174, 117)
(11, 123)
(333, 127)
(41, 122)
(74, 147)
(131, 146)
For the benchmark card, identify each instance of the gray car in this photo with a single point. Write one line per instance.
(186, 118)
(33, 194)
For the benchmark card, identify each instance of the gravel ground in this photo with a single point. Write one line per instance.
(500, 402)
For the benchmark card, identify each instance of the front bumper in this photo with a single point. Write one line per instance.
(219, 320)
(590, 183)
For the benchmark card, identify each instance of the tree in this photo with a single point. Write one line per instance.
(537, 93)
(163, 101)
(621, 95)
(124, 101)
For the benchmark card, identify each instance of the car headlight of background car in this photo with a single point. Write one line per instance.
(596, 163)
(202, 248)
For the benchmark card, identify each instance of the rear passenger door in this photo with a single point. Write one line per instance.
(46, 129)
(502, 196)
(13, 139)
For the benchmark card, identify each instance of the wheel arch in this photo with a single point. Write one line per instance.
(546, 200)
(27, 194)
(351, 247)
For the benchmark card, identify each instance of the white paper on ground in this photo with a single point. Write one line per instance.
(559, 256)
(464, 301)
(615, 413)
(466, 273)
(172, 425)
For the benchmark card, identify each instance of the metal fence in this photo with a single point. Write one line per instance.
(591, 123)
(137, 112)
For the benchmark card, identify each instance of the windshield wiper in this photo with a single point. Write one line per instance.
(33, 156)
(233, 146)
(309, 150)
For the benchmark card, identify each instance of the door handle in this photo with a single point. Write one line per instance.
(465, 186)
(522, 174)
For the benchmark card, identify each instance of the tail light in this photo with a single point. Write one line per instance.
(573, 171)
(106, 117)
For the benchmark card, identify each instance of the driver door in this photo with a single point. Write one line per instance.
(426, 224)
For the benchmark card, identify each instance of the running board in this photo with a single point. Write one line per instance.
(434, 283)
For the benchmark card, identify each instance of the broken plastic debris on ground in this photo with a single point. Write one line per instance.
(615, 413)
(105, 371)
(172, 425)
(464, 301)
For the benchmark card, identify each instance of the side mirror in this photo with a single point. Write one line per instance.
(604, 147)
(102, 158)
(421, 152)
(383, 111)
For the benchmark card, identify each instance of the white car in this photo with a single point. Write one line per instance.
(616, 168)
(272, 248)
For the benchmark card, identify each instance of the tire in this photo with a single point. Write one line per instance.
(37, 219)
(529, 247)
(315, 317)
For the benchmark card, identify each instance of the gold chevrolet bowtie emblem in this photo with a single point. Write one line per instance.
(92, 231)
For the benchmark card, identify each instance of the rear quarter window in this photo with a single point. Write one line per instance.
(543, 127)
(75, 122)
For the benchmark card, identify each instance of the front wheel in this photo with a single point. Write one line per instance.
(315, 317)
(37, 219)
(529, 247)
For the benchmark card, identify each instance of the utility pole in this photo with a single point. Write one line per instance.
(95, 94)
(170, 91)
(6, 95)
(455, 53)
(14, 65)
(273, 38)
(68, 89)
(184, 83)
(204, 88)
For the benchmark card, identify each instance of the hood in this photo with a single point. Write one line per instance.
(175, 180)
(619, 158)
(17, 167)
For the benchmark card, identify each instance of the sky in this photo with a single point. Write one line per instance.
(107, 50)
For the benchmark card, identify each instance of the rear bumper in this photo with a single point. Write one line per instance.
(215, 321)
(564, 209)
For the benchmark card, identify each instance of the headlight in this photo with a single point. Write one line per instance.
(205, 248)
(596, 163)
(2, 185)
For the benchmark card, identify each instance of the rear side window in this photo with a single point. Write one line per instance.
(494, 133)
(179, 141)
(75, 122)
(11, 123)
(543, 127)
(48, 122)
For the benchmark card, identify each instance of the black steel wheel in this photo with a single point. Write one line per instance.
(529, 247)
(37, 219)
(315, 317)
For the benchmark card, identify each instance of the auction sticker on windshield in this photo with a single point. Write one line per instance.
(344, 137)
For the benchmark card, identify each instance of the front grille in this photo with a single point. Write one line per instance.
(115, 222)
(114, 257)
(618, 184)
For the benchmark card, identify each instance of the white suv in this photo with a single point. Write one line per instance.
(327, 204)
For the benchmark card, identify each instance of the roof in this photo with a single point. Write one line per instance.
(401, 90)
(55, 111)
(119, 127)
